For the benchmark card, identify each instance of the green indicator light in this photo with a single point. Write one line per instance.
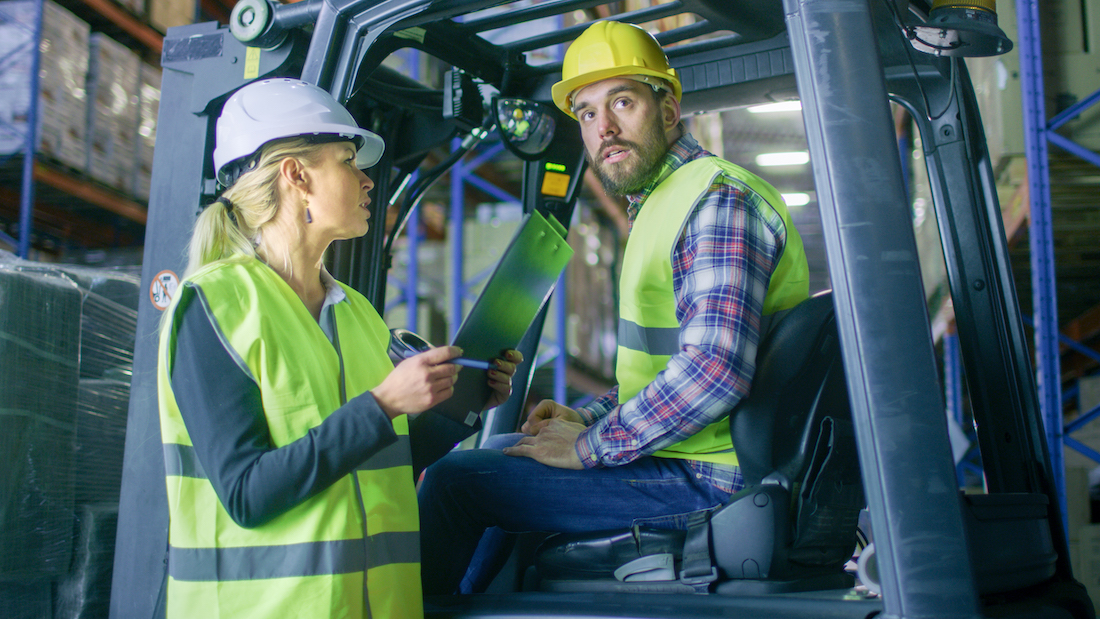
(555, 167)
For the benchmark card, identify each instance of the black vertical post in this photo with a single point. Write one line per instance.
(873, 264)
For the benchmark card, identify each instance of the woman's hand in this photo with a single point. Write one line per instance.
(500, 378)
(420, 382)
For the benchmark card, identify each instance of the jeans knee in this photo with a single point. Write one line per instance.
(500, 441)
(457, 471)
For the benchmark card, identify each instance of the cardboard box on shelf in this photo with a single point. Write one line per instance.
(137, 7)
(149, 107)
(113, 82)
(164, 14)
(63, 64)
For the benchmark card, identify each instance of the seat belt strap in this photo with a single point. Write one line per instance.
(697, 568)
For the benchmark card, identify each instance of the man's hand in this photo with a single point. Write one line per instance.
(544, 412)
(554, 446)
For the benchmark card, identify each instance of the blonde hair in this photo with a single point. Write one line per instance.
(222, 232)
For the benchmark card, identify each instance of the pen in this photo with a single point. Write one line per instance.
(472, 363)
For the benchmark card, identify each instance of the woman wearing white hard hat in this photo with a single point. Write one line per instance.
(289, 475)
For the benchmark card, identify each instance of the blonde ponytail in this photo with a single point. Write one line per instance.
(233, 226)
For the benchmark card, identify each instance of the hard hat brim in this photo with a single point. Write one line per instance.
(562, 91)
(370, 152)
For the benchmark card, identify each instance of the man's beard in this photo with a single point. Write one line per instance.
(622, 179)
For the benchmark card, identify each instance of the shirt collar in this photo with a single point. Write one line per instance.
(680, 152)
(333, 292)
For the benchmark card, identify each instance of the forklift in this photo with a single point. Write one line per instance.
(937, 551)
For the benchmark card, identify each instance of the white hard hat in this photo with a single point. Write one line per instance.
(283, 108)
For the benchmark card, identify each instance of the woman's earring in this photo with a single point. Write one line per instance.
(309, 216)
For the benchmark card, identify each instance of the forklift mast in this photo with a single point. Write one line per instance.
(938, 553)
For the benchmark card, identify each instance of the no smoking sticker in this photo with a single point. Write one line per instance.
(163, 289)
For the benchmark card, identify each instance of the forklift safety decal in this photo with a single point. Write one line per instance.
(251, 62)
(163, 289)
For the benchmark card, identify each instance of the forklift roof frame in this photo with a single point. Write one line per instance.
(815, 48)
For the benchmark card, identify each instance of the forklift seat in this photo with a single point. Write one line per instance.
(792, 527)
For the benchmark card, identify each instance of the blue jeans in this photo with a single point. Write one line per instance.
(469, 491)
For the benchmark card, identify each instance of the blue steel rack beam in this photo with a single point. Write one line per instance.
(26, 193)
(1037, 132)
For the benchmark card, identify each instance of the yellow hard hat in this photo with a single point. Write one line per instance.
(611, 49)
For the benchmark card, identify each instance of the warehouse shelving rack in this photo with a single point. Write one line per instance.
(29, 46)
(33, 173)
(1038, 131)
(1049, 340)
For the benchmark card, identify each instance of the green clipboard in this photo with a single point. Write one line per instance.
(518, 288)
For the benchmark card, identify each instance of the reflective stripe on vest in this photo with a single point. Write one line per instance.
(291, 560)
(181, 461)
(648, 329)
(652, 340)
(354, 544)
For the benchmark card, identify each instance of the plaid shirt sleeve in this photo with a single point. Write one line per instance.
(600, 407)
(721, 268)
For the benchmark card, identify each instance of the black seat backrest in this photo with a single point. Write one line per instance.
(793, 526)
(795, 430)
(799, 380)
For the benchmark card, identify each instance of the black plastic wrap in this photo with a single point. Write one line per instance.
(85, 592)
(66, 359)
(39, 349)
(99, 441)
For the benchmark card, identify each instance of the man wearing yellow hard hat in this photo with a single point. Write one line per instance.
(712, 255)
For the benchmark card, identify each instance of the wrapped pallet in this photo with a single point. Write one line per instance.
(39, 342)
(113, 82)
(63, 64)
(67, 338)
(85, 592)
(108, 322)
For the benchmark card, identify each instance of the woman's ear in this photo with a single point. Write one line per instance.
(294, 173)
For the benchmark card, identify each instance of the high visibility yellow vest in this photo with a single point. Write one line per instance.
(353, 545)
(648, 330)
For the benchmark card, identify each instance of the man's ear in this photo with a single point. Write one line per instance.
(670, 112)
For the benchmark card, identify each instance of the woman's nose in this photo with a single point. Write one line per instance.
(367, 183)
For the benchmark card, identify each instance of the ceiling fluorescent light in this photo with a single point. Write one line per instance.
(781, 106)
(776, 159)
(796, 199)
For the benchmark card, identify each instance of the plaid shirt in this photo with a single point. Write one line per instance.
(721, 267)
